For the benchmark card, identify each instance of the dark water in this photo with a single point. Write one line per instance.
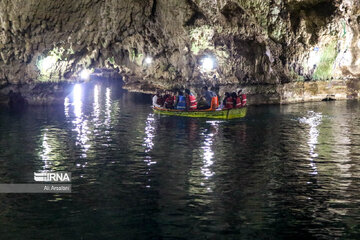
(283, 172)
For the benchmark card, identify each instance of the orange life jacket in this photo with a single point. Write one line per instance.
(193, 102)
(229, 103)
(243, 100)
(214, 102)
(238, 102)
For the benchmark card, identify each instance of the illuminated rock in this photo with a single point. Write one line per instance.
(253, 42)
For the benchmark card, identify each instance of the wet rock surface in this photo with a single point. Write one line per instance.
(47, 93)
(254, 44)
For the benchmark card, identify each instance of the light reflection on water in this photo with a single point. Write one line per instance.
(280, 173)
(67, 106)
(108, 107)
(80, 122)
(77, 100)
(148, 144)
(96, 105)
(313, 120)
(149, 131)
(208, 158)
(46, 150)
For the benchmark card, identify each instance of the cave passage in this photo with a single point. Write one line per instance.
(179, 119)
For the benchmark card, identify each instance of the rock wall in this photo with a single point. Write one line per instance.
(163, 43)
(296, 92)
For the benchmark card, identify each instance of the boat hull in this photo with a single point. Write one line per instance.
(217, 114)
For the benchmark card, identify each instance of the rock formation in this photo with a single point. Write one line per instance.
(163, 43)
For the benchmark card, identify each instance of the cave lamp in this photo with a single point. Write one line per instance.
(85, 74)
(47, 63)
(208, 63)
(148, 60)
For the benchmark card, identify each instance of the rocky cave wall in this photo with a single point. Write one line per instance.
(253, 43)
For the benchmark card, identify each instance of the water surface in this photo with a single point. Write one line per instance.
(283, 172)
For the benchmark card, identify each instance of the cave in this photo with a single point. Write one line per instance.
(179, 119)
(54, 42)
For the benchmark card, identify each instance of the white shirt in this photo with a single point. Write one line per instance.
(154, 100)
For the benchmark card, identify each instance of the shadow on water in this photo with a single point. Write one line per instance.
(282, 172)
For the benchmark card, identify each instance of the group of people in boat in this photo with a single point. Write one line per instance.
(209, 99)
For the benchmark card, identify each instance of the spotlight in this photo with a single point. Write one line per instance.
(148, 60)
(46, 63)
(85, 74)
(314, 59)
(208, 64)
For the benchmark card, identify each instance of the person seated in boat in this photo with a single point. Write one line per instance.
(215, 91)
(228, 101)
(180, 101)
(155, 99)
(242, 98)
(215, 99)
(206, 98)
(191, 103)
(223, 103)
(238, 100)
(169, 100)
(234, 97)
(202, 104)
(161, 99)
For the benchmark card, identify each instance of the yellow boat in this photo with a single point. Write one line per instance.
(217, 114)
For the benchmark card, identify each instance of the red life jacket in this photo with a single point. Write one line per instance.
(193, 102)
(169, 102)
(229, 103)
(243, 100)
(238, 102)
(160, 101)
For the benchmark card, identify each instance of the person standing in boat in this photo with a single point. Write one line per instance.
(180, 101)
(191, 103)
